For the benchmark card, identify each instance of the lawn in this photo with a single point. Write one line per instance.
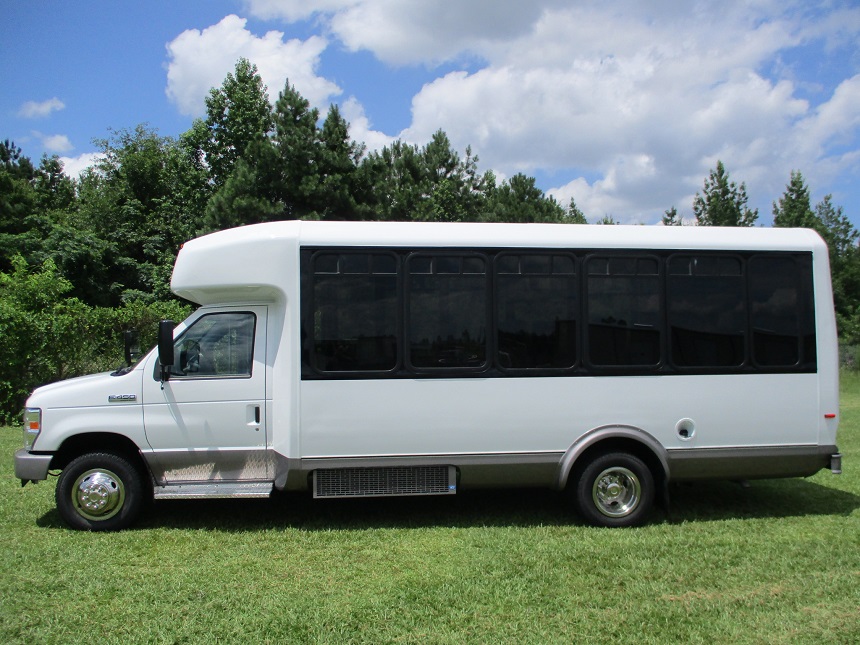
(778, 562)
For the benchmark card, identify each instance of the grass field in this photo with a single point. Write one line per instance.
(778, 562)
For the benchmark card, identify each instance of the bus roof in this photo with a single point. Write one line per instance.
(433, 234)
(231, 264)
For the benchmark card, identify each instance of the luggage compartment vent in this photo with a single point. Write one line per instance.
(378, 482)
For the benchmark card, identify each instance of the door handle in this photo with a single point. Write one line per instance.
(252, 417)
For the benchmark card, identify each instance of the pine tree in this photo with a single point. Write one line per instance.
(723, 202)
(338, 163)
(841, 237)
(671, 218)
(520, 200)
(574, 214)
(299, 154)
(793, 209)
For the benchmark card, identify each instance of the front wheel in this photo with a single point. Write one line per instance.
(614, 490)
(100, 492)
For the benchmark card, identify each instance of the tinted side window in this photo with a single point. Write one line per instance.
(447, 299)
(536, 311)
(354, 312)
(707, 311)
(777, 301)
(623, 299)
(807, 311)
(216, 345)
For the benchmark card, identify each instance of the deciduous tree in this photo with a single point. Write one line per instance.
(237, 113)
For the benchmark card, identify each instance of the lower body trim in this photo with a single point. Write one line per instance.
(763, 462)
(512, 470)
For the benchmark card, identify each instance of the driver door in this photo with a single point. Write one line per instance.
(207, 421)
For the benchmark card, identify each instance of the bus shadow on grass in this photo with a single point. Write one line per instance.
(695, 502)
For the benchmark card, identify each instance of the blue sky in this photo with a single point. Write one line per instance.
(624, 106)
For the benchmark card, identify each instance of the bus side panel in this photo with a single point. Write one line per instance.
(474, 416)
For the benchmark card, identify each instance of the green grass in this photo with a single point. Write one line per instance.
(778, 562)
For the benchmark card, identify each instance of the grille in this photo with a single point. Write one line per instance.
(378, 482)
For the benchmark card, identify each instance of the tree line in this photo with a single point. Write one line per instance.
(82, 258)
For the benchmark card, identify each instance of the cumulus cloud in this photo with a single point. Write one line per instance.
(200, 60)
(37, 110)
(412, 31)
(360, 127)
(630, 103)
(416, 31)
(75, 166)
(53, 143)
(644, 103)
(293, 10)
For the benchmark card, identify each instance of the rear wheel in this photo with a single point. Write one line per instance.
(100, 492)
(614, 490)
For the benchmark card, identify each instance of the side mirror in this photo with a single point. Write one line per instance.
(165, 347)
(132, 346)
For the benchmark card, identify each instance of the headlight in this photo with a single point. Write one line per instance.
(32, 426)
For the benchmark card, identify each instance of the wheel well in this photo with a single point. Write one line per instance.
(618, 444)
(80, 444)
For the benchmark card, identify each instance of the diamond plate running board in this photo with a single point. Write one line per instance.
(213, 490)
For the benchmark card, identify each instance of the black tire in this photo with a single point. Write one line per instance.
(100, 492)
(615, 489)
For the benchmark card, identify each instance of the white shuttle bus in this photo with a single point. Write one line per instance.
(372, 359)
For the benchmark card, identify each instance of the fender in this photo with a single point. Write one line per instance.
(602, 433)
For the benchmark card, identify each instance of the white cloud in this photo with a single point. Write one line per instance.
(200, 60)
(53, 143)
(415, 31)
(75, 166)
(36, 110)
(632, 103)
(680, 90)
(838, 117)
(360, 129)
(412, 31)
(293, 10)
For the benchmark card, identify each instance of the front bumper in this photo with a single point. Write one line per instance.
(30, 466)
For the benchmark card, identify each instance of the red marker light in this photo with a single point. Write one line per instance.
(830, 415)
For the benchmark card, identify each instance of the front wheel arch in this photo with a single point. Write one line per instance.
(86, 442)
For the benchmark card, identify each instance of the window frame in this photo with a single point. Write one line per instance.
(805, 305)
(488, 343)
(309, 353)
(660, 326)
(577, 306)
(746, 333)
(492, 365)
(178, 376)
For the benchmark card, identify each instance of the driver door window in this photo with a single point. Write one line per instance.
(216, 346)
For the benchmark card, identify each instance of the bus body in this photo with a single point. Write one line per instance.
(369, 359)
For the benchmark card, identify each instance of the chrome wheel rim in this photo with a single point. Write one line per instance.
(98, 494)
(616, 492)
